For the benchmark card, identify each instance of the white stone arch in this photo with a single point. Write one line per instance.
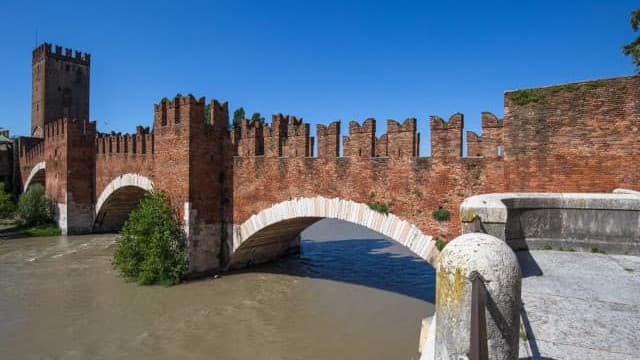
(41, 166)
(390, 225)
(120, 182)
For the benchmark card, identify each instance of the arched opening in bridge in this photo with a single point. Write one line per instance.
(36, 176)
(116, 209)
(117, 201)
(275, 231)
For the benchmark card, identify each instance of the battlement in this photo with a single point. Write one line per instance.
(489, 120)
(249, 138)
(65, 127)
(288, 136)
(219, 115)
(456, 121)
(446, 136)
(367, 127)
(489, 144)
(117, 143)
(182, 110)
(361, 140)
(409, 125)
(46, 50)
(402, 140)
(31, 150)
(328, 140)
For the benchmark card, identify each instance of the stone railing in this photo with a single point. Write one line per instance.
(571, 221)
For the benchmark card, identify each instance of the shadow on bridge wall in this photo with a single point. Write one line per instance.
(376, 263)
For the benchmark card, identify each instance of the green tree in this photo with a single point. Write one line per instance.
(7, 207)
(238, 117)
(151, 248)
(633, 48)
(34, 207)
(257, 118)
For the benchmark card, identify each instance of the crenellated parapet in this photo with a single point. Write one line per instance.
(61, 128)
(361, 141)
(31, 150)
(287, 136)
(47, 50)
(298, 143)
(249, 138)
(181, 111)
(328, 140)
(490, 143)
(403, 139)
(382, 146)
(219, 115)
(446, 136)
(141, 142)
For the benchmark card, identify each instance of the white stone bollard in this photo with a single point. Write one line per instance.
(494, 260)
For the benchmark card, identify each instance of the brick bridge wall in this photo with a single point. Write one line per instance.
(575, 137)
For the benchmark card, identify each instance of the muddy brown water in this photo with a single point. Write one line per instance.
(351, 294)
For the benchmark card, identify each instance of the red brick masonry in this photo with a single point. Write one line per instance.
(581, 137)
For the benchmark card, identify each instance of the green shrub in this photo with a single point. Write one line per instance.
(441, 214)
(151, 248)
(7, 207)
(440, 244)
(42, 230)
(379, 207)
(34, 207)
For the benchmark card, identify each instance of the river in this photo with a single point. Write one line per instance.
(351, 294)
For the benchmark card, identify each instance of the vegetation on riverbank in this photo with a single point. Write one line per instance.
(150, 249)
(33, 230)
(34, 207)
(33, 216)
(7, 207)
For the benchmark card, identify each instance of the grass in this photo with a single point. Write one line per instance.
(379, 207)
(43, 230)
(526, 96)
(34, 231)
(523, 336)
(441, 215)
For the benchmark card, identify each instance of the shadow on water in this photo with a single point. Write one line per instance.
(376, 263)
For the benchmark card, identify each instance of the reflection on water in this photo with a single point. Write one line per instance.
(361, 298)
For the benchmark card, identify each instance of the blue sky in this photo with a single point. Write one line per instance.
(324, 60)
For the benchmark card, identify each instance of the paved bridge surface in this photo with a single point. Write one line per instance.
(244, 195)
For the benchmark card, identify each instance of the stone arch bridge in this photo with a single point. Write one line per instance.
(244, 195)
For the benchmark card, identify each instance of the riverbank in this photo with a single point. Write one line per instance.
(10, 229)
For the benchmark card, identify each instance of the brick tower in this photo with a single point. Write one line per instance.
(60, 86)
